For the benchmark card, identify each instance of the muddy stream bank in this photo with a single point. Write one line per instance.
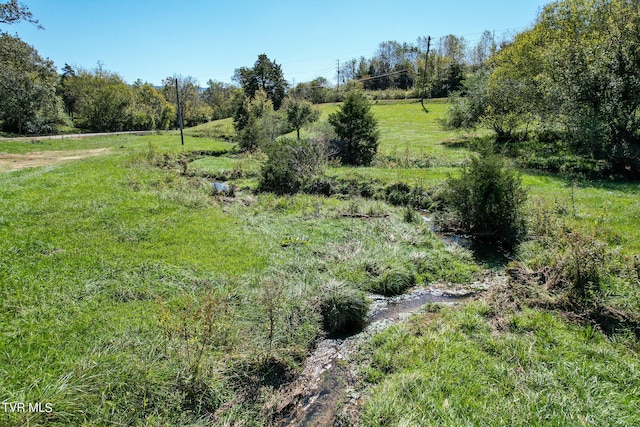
(328, 378)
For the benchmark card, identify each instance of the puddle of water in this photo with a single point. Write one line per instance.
(220, 187)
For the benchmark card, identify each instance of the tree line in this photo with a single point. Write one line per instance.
(35, 99)
(570, 84)
(406, 66)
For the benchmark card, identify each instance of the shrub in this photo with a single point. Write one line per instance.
(343, 309)
(401, 194)
(290, 164)
(487, 201)
(321, 185)
(355, 124)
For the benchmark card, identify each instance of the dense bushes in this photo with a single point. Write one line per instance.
(487, 201)
(291, 163)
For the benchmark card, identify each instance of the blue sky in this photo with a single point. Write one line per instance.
(151, 40)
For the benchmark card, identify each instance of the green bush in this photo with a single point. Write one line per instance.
(343, 309)
(487, 201)
(290, 164)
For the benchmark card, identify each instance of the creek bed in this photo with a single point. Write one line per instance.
(312, 399)
(327, 376)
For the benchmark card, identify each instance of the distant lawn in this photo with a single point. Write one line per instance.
(169, 140)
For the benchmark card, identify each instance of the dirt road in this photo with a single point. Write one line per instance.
(10, 162)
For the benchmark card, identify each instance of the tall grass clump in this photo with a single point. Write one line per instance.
(394, 281)
(343, 308)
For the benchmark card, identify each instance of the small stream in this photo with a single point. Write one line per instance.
(485, 253)
(327, 377)
(314, 396)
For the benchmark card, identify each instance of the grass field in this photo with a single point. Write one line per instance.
(130, 294)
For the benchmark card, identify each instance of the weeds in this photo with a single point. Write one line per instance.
(272, 299)
(394, 281)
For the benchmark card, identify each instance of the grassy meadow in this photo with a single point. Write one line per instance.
(133, 294)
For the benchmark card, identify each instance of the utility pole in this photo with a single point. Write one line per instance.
(179, 112)
(338, 75)
(424, 82)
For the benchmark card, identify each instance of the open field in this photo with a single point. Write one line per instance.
(130, 294)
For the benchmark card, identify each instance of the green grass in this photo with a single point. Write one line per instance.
(612, 209)
(130, 294)
(121, 143)
(108, 264)
(88, 249)
(453, 367)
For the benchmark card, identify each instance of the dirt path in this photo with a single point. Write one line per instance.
(11, 162)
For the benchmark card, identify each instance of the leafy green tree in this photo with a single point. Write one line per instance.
(357, 127)
(13, 12)
(28, 100)
(299, 113)
(265, 75)
(577, 70)
(105, 101)
(597, 89)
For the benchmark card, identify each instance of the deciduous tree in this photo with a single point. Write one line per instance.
(299, 113)
(28, 100)
(265, 75)
(13, 12)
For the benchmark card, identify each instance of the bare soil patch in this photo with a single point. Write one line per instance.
(11, 162)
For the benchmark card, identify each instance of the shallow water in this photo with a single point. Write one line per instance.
(220, 187)
(326, 378)
(326, 374)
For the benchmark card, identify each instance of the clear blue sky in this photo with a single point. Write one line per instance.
(154, 39)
